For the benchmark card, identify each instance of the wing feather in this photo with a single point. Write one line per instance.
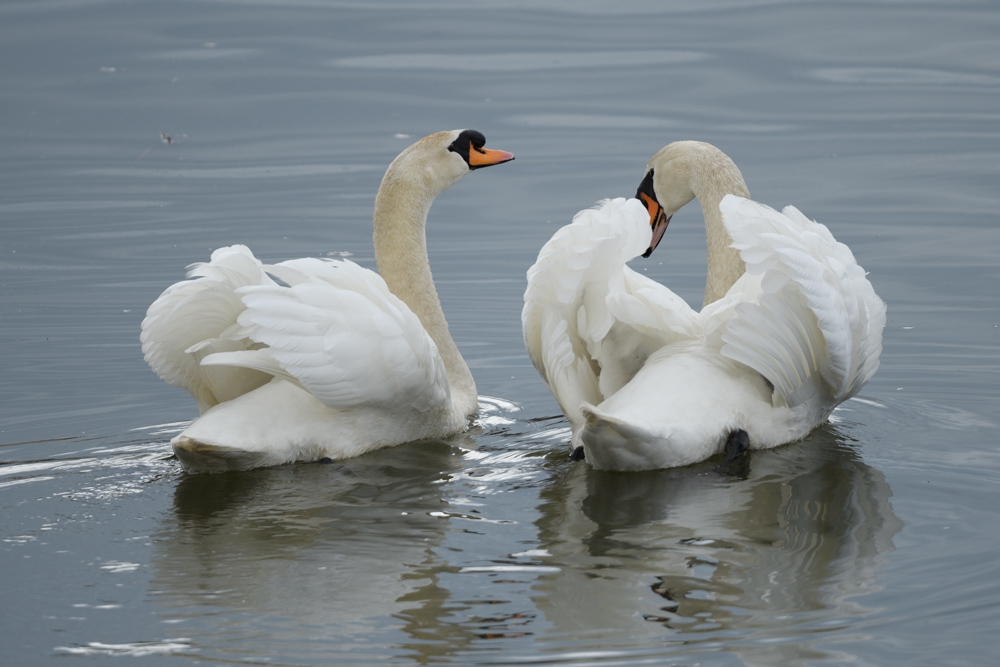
(817, 316)
(197, 317)
(589, 321)
(341, 334)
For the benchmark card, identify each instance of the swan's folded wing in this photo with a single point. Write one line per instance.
(338, 331)
(814, 325)
(587, 318)
(195, 317)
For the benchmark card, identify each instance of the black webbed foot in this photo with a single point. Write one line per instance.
(737, 463)
(577, 454)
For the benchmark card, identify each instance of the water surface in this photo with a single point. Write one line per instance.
(138, 137)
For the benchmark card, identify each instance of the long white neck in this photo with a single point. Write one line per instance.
(713, 176)
(401, 208)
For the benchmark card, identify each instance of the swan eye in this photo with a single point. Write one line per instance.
(469, 145)
(467, 142)
(645, 191)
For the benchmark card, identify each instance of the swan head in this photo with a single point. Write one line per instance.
(440, 160)
(666, 186)
(680, 172)
(468, 145)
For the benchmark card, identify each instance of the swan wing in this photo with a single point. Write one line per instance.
(805, 315)
(335, 329)
(588, 320)
(198, 317)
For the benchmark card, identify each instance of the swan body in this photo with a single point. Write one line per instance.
(314, 358)
(790, 327)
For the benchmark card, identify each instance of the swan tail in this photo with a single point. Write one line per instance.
(611, 443)
(196, 456)
(815, 330)
(196, 317)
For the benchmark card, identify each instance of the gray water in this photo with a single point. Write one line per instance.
(136, 137)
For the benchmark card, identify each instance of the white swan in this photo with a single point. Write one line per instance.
(790, 326)
(314, 358)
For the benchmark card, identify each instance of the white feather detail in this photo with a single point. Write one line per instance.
(312, 359)
(818, 313)
(195, 318)
(338, 331)
(584, 306)
(647, 382)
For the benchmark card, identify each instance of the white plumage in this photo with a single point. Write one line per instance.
(337, 331)
(314, 358)
(646, 381)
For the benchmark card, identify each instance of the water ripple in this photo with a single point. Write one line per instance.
(268, 171)
(133, 650)
(902, 76)
(521, 62)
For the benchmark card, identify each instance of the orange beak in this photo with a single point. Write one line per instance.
(658, 220)
(485, 157)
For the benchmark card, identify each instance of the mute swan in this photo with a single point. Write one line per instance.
(313, 358)
(790, 325)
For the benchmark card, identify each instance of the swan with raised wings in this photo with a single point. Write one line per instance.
(790, 326)
(310, 358)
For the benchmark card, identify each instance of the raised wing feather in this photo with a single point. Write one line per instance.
(338, 331)
(814, 328)
(197, 317)
(589, 321)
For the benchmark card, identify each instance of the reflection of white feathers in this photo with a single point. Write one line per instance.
(302, 555)
(647, 382)
(803, 540)
(316, 358)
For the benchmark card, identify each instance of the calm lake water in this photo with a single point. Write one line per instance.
(139, 136)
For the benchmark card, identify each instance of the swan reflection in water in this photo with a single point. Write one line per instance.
(372, 556)
(781, 557)
(305, 553)
(317, 558)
